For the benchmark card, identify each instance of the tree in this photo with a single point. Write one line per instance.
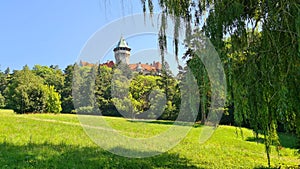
(199, 71)
(170, 87)
(83, 88)
(67, 98)
(121, 97)
(2, 101)
(144, 94)
(103, 90)
(7, 71)
(52, 76)
(262, 67)
(4, 80)
(20, 92)
(27, 93)
(53, 100)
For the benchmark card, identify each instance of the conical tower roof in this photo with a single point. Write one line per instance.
(122, 44)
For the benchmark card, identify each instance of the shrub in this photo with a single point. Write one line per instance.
(86, 110)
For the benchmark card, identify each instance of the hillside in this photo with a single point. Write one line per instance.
(58, 141)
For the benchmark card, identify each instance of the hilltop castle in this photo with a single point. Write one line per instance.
(122, 55)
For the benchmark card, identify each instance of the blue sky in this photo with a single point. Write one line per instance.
(53, 32)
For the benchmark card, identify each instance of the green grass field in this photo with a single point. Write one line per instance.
(59, 141)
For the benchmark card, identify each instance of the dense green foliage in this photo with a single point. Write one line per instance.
(51, 76)
(259, 44)
(146, 96)
(66, 95)
(59, 141)
(26, 92)
(103, 90)
(4, 79)
(48, 89)
(2, 101)
(119, 91)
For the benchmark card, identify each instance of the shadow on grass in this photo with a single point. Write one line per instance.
(266, 167)
(195, 125)
(286, 140)
(151, 121)
(279, 167)
(49, 155)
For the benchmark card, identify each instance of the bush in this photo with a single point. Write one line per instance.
(2, 101)
(86, 110)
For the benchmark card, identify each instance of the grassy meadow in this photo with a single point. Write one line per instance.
(59, 141)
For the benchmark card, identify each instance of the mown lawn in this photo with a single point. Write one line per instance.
(59, 141)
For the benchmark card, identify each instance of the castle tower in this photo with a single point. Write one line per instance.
(122, 52)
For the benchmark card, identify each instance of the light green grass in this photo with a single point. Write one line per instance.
(58, 141)
(6, 112)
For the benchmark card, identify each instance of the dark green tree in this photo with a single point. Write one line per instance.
(4, 80)
(67, 98)
(103, 90)
(83, 89)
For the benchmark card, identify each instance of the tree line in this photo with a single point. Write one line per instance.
(45, 89)
(112, 91)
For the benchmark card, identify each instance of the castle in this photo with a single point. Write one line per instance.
(122, 55)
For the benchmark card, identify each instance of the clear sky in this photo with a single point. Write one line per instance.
(53, 32)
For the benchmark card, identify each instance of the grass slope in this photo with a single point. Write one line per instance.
(58, 141)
